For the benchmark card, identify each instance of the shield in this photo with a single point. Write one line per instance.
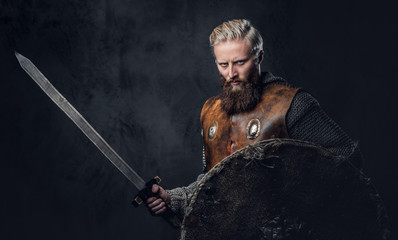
(284, 189)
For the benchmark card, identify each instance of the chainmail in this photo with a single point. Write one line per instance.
(181, 196)
(305, 120)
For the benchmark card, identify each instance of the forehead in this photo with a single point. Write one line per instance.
(232, 50)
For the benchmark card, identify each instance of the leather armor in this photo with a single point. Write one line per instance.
(223, 134)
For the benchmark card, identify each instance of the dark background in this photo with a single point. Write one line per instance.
(140, 71)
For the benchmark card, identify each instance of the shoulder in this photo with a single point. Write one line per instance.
(210, 105)
(279, 84)
(302, 103)
(277, 90)
(304, 100)
(268, 77)
(215, 100)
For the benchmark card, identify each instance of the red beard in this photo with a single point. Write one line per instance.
(244, 99)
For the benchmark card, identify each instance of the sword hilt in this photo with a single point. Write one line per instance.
(146, 193)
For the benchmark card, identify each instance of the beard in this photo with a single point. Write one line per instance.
(235, 101)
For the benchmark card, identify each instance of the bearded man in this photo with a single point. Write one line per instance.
(253, 106)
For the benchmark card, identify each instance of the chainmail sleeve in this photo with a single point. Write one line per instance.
(306, 121)
(181, 196)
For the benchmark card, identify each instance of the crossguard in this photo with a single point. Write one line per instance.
(146, 193)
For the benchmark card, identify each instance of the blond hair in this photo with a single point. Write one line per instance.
(237, 29)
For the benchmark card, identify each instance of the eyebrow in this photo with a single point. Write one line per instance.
(241, 60)
(238, 60)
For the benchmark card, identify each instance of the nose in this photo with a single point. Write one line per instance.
(232, 72)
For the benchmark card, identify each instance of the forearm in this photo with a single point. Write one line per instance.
(181, 196)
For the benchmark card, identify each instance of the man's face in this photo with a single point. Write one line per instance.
(239, 72)
(235, 62)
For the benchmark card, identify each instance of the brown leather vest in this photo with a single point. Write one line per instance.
(224, 134)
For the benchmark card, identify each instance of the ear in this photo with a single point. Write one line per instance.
(260, 57)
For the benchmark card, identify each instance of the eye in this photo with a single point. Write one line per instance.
(223, 64)
(241, 62)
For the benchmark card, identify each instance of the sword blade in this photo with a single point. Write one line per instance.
(80, 121)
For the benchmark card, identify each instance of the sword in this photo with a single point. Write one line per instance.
(145, 188)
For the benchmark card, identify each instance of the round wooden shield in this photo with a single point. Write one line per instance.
(284, 189)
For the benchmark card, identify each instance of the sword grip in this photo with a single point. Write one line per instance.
(146, 193)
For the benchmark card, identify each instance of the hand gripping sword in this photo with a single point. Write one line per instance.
(145, 189)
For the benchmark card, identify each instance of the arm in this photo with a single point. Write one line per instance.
(307, 121)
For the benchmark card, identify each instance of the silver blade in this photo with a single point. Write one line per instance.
(79, 120)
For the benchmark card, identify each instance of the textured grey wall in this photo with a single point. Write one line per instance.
(140, 71)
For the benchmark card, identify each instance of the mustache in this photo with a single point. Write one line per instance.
(233, 80)
(227, 82)
(228, 85)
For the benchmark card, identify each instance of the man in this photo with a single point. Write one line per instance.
(253, 106)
